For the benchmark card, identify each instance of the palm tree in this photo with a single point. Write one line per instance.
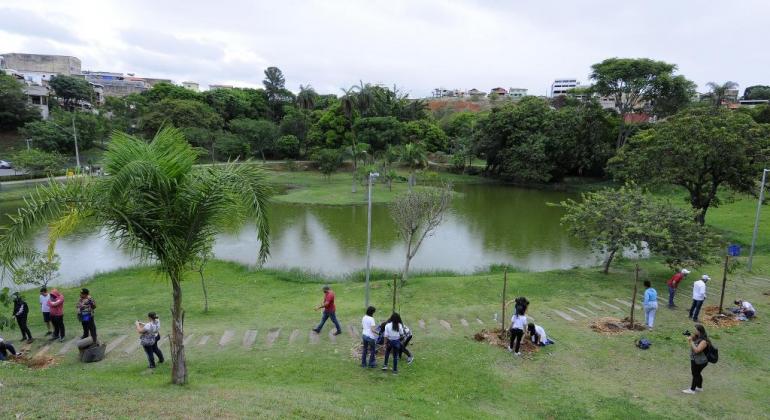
(306, 98)
(719, 92)
(155, 203)
(415, 156)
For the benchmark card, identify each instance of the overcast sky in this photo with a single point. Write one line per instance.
(416, 44)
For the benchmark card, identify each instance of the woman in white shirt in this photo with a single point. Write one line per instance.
(518, 323)
(369, 337)
(394, 330)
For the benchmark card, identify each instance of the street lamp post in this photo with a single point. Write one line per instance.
(372, 176)
(74, 136)
(756, 219)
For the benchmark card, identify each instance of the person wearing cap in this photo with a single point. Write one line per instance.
(148, 331)
(329, 311)
(86, 307)
(673, 283)
(698, 296)
(20, 312)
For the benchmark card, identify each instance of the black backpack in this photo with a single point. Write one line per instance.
(712, 353)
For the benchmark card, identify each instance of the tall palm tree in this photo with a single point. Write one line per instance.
(306, 98)
(719, 92)
(155, 203)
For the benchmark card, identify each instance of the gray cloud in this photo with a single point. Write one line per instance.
(169, 44)
(31, 25)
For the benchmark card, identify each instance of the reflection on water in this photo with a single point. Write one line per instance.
(487, 225)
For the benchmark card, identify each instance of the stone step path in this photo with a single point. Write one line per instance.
(227, 337)
(313, 337)
(480, 321)
(595, 306)
(464, 322)
(353, 331)
(293, 336)
(584, 309)
(115, 343)
(249, 337)
(205, 339)
(43, 350)
(421, 323)
(623, 302)
(446, 325)
(612, 306)
(132, 346)
(67, 347)
(332, 337)
(577, 312)
(272, 335)
(563, 315)
(187, 339)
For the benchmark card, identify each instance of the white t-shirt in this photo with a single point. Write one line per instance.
(44, 303)
(519, 322)
(541, 332)
(367, 323)
(747, 306)
(391, 334)
(699, 290)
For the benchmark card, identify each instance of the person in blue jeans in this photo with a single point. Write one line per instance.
(650, 304)
(369, 338)
(394, 330)
(329, 311)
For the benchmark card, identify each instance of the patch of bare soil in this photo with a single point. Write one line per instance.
(43, 361)
(358, 348)
(714, 319)
(499, 338)
(613, 326)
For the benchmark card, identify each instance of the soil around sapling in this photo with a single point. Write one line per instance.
(614, 326)
(499, 338)
(714, 319)
(43, 361)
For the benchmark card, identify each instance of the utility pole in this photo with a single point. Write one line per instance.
(75, 136)
(372, 175)
(756, 219)
(29, 141)
(724, 282)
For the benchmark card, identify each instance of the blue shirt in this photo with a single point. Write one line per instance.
(650, 296)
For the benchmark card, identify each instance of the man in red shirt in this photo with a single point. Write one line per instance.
(329, 311)
(673, 283)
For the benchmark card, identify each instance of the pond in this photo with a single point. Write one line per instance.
(487, 224)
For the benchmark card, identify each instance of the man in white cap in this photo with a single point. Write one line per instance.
(698, 296)
(673, 283)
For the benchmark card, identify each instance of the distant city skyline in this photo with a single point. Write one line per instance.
(417, 45)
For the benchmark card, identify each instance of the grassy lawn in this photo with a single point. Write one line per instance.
(584, 375)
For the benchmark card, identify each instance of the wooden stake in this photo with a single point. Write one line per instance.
(633, 299)
(505, 284)
(724, 282)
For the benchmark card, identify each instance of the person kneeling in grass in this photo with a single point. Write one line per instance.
(6, 348)
(745, 308)
(537, 335)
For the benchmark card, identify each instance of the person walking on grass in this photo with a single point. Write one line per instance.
(56, 303)
(673, 283)
(518, 324)
(329, 311)
(650, 304)
(86, 307)
(697, 342)
(369, 338)
(45, 309)
(698, 296)
(155, 348)
(394, 331)
(20, 312)
(148, 332)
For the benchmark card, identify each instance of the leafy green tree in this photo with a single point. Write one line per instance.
(307, 98)
(332, 130)
(631, 82)
(757, 92)
(296, 123)
(39, 270)
(231, 146)
(581, 139)
(202, 138)
(180, 113)
(718, 92)
(228, 103)
(762, 114)
(260, 134)
(288, 146)
(125, 112)
(427, 133)
(379, 132)
(15, 109)
(71, 90)
(56, 135)
(48, 137)
(328, 161)
(164, 90)
(154, 203)
(277, 94)
(700, 150)
(415, 157)
(674, 94)
(37, 162)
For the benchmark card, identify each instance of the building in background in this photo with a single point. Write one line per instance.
(215, 87)
(193, 86)
(517, 93)
(115, 84)
(40, 64)
(152, 81)
(476, 93)
(562, 86)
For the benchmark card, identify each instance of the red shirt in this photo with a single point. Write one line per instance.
(674, 281)
(329, 302)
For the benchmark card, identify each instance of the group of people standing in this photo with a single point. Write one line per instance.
(393, 334)
(52, 308)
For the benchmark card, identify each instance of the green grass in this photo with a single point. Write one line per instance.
(584, 375)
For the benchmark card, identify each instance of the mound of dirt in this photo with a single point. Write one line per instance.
(44, 361)
(499, 338)
(713, 318)
(613, 326)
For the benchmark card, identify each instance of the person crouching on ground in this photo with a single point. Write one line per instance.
(518, 323)
(394, 330)
(20, 312)
(147, 333)
(56, 303)
(650, 304)
(86, 307)
(7, 349)
(537, 335)
(745, 308)
(369, 338)
(698, 342)
(329, 311)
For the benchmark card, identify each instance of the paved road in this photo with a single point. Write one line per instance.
(7, 172)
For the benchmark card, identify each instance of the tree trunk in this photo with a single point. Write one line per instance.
(505, 285)
(621, 132)
(262, 152)
(633, 297)
(390, 184)
(405, 273)
(178, 365)
(205, 292)
(412, 180)
(609, 260)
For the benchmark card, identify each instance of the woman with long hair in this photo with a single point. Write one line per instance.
(698, 342)
(394, 330)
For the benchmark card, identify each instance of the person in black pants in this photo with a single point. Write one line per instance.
(6, 348)
(518, 324)
(405, 342)
(155, 348)
(86, 307)
(20, 312)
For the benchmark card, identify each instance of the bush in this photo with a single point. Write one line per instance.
(328, 160)
(288, 146)
(37, 162)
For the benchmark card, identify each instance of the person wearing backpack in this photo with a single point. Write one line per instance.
(699, 343)
(148, 332)
(86, 307)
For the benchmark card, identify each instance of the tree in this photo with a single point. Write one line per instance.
(328, 161)
(180, 113)
(332, 130)
(164, 90)
(296, 123)
(229, 146)
(15, 109)
(72, 91)
(39, 270)
(288, 146)
(415, 157)
(379, 132)
(260, 134)
(757, 92)
(306, 98)
(427, 133)
(38, 162)
(674, 94)
(55, 134)
(699, 150)
(718, 93)
(155, 203)
(631, 82)
(624, 219)
(276, 92)
(417, 214)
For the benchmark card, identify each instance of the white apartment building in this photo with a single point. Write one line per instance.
(193, 86)
(517, 93)
(562, 86)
